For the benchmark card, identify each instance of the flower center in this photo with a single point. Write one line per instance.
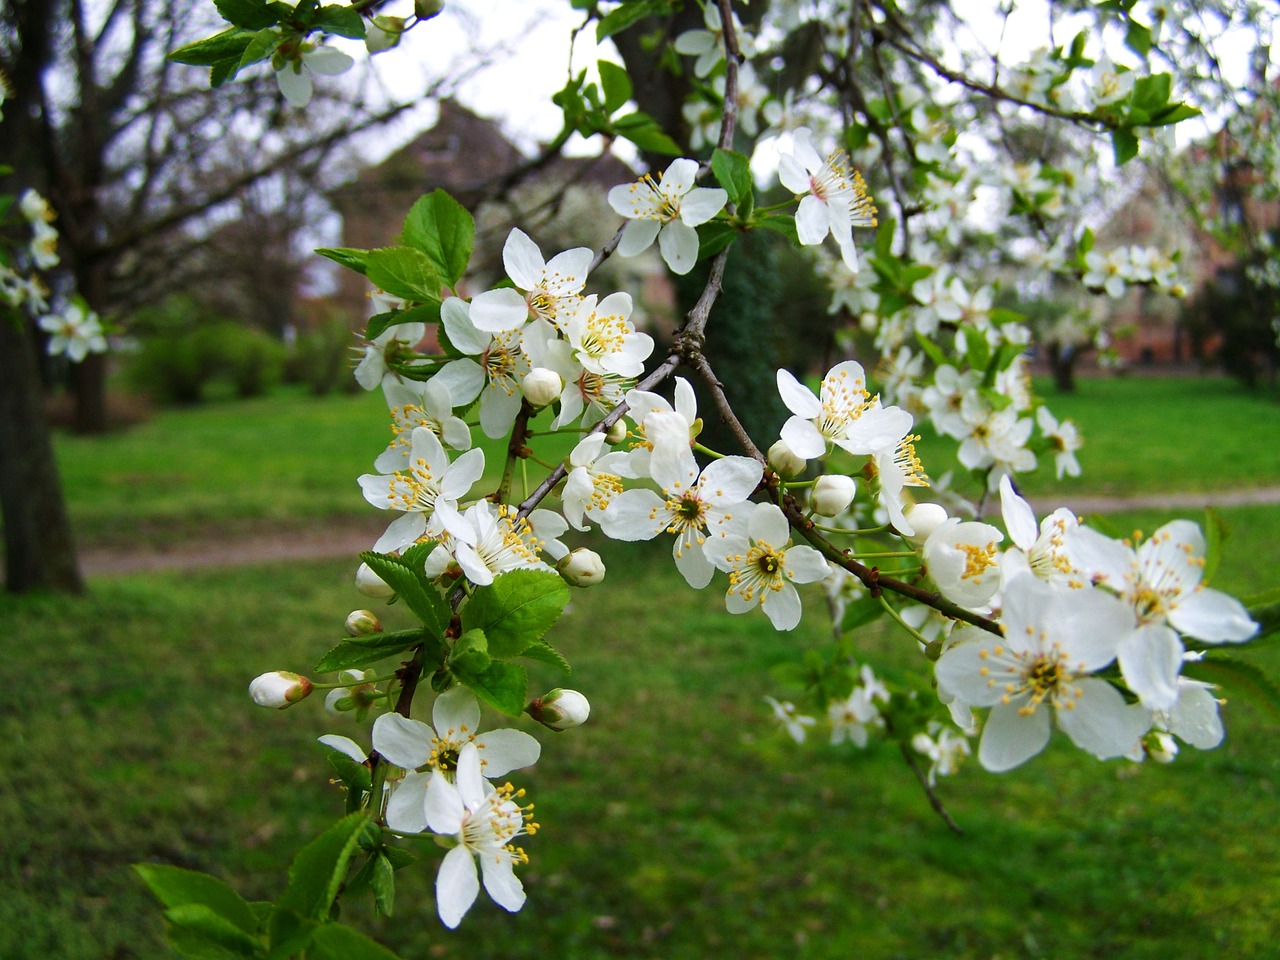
(977, 558)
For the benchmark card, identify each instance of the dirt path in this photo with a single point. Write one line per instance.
(347, 538)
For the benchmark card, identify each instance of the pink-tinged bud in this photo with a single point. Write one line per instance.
(541, 386)
(372, 585)
(924, 519)
(616, 434)
(560, 709)
(582, 567)
(362, 623)
(832, 494)
(784, 461)
(279, 689)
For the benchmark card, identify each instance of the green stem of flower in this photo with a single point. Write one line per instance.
(709, 452)
(888, 607)
(351, 683)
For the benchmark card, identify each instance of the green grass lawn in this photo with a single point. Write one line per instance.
(231, 466)
(293, 459)
(679, 823)
(1155, 434)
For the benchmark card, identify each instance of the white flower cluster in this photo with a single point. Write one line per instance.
(1072, 603)
(1113, 271)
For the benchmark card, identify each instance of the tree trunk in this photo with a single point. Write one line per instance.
(39, 553)
(1062, 363)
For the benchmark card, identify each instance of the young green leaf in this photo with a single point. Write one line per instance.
(733, 172)
(382, 322)
(470, 655)
(340, 20)
(1125, 146)
(350, 257)
(421, 597)
(200, 933)
(175, 887)
(544, 652)
(516, 610)
(616, 85)
(249, 14)
(503, 686)
(318, 870)
(403, 272)
(333, 941)
(440, 227)
(363, 651)
(228, 45)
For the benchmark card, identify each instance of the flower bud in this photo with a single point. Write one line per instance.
(383, 33)
(426, 9)
(362, 623)
(359, 696)
(279, 689)
(560, 709)
(541, 386)
(832, 494)
(1162, 748)
(616, 434)
(372, 585)
(924, 519)
(784, 461)
(582, 567)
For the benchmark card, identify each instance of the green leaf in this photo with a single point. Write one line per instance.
(383, 884)
(884, 239)
(1138, 38)
(290, 934)
(780, 223)
(642, 130)
(1085, 243)
(261, 47)
(616, 85)
(1173, 113)
(440, 227)
(403, 272)
(544, 652)
(516, 610)
(733, 172)
(1237, 676)
(932, 350)
(421, 597)
(380, 323)
(201, 933)
(176, 887)
(503, 686)
(340, 21)
(620, 18)
(860, 613)
(1151, 93)
(470, 655)
(362, 651)
(228, 45)
(318, 870)
(355, 776)
(714, 237)
(350, 257)
(1125, 146)
(249, 14)
(333, 941)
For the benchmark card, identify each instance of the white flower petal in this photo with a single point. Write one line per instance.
(798, 398)
(637, 236)
(502, 884)
(813, 221)
(402, 741)
(1213, 616)
(495, 311)
(343, 745)
(1101, 722)
(406, 810)
(1010, 739)
(678, 243)
(502, 751)
(1150, 659)
(456, 886)
(782, 607)
(523, 261)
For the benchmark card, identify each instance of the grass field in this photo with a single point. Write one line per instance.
(293, 458)
(679, 823)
